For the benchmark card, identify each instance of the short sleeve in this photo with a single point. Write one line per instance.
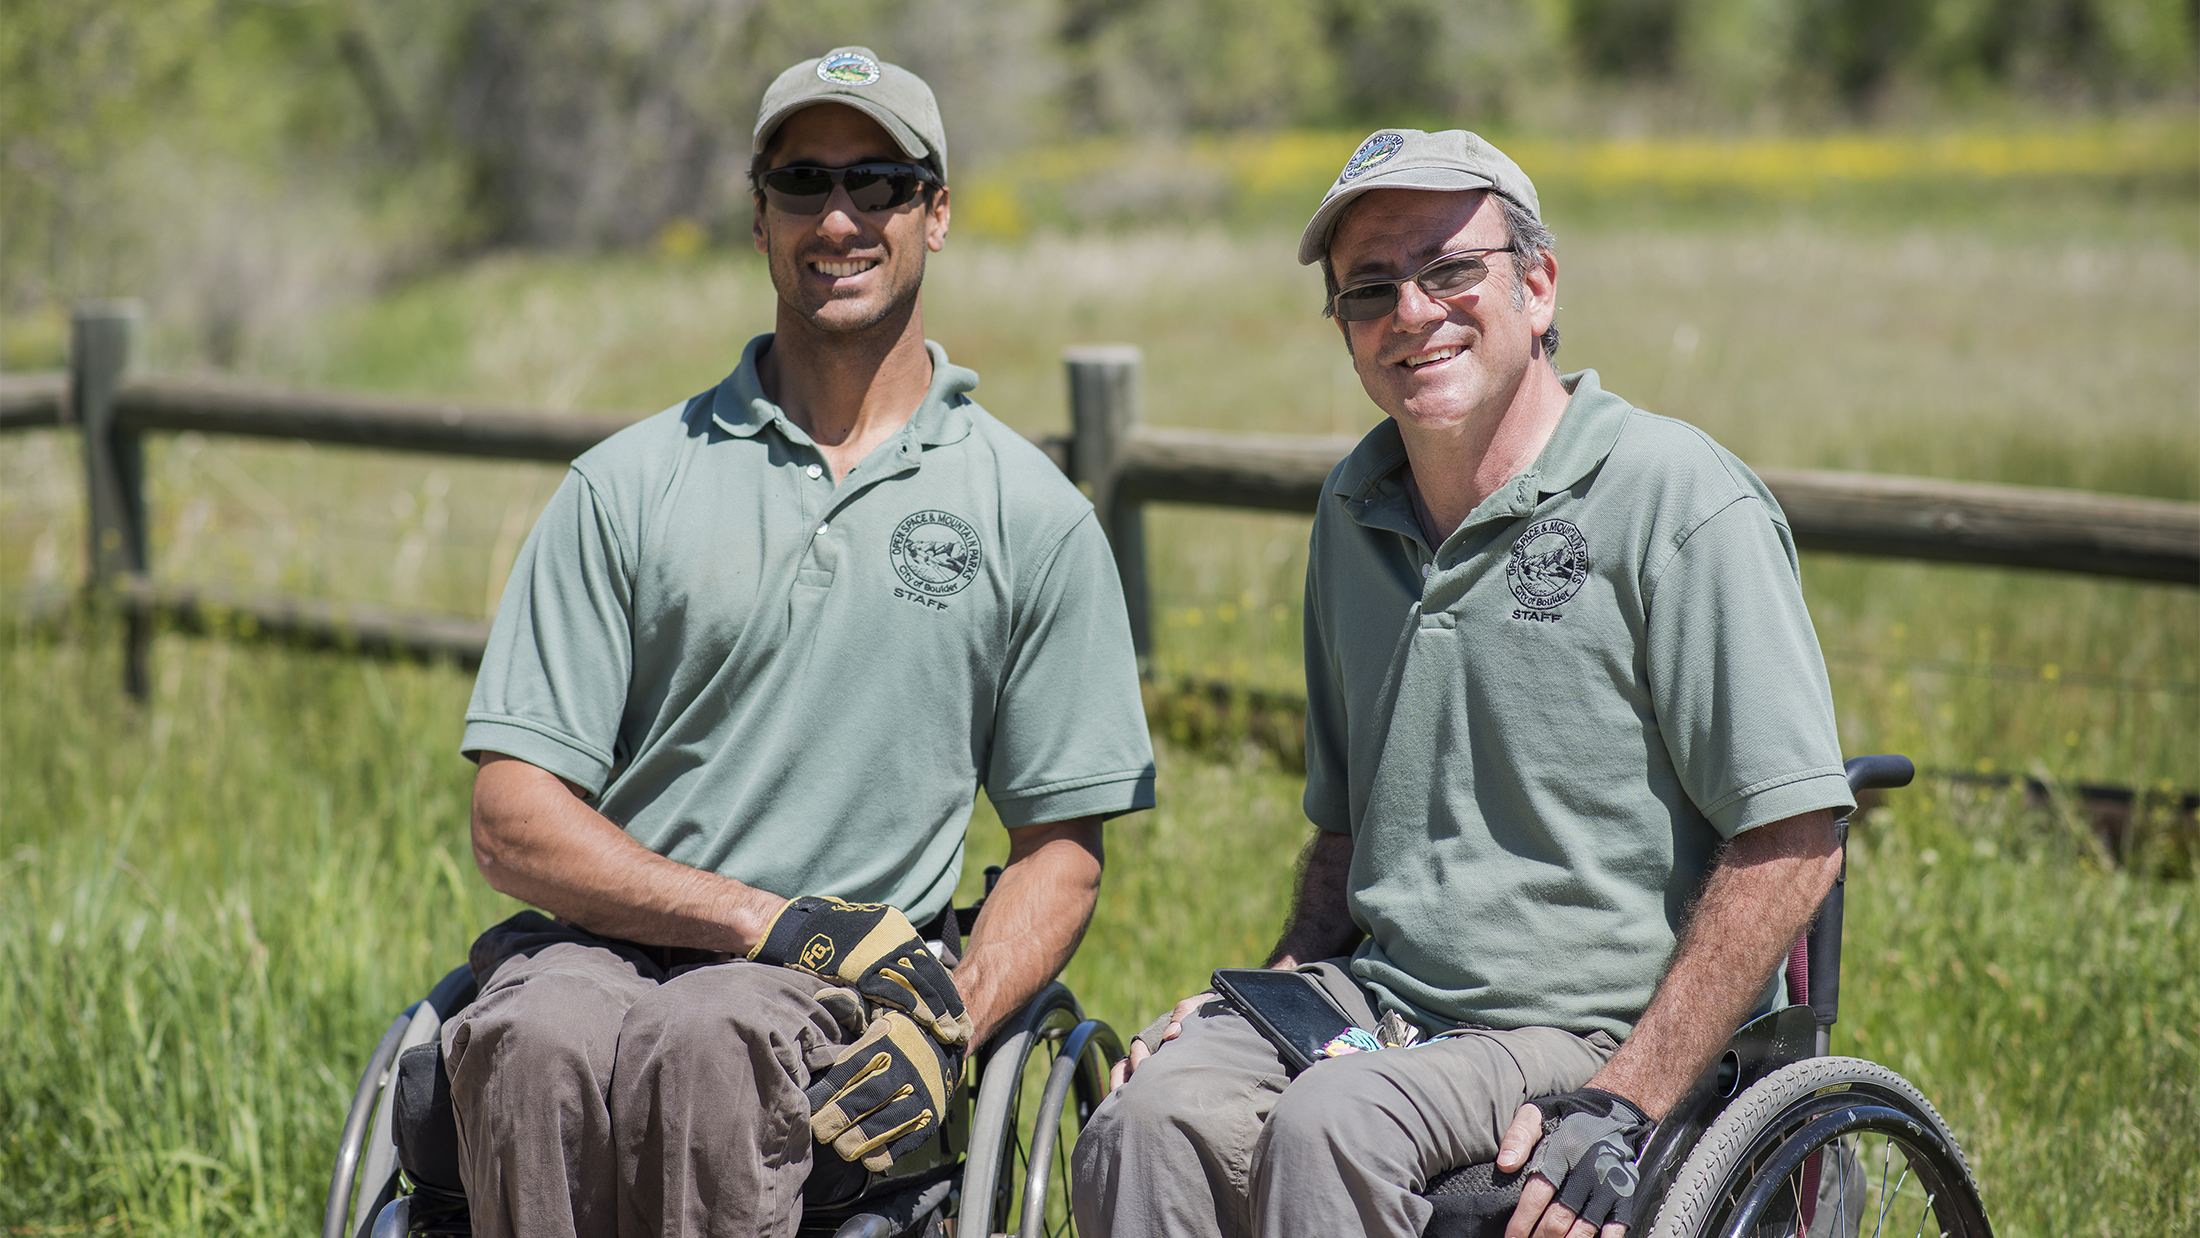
(1736, 675)
(1069, 728)
(1328, 801)
(553, 680)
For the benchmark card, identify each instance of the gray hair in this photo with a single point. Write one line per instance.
(1528, 240)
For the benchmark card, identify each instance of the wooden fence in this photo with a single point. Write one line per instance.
(1125, 464)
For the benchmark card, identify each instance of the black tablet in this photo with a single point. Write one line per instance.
(1290, 1008)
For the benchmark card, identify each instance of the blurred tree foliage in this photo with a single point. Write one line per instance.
(201, 148)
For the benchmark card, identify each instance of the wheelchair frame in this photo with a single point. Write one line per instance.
(1742, 1155)
(1000, 1151)
(1770, 1109)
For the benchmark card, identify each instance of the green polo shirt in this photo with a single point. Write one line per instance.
(1538, 732)
(801, 685)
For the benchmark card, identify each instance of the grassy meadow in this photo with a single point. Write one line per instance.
(210, 905)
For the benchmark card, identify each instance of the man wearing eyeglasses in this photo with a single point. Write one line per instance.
(749, 672)
(1570, 755)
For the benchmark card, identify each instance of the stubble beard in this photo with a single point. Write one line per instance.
(895, 306)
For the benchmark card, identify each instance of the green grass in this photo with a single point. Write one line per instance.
(211, 906)
(215, 903)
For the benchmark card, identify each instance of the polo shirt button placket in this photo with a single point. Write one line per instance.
(814, 472)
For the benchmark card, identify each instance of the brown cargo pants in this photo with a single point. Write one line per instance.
(1210, 1138)
(604, 1088)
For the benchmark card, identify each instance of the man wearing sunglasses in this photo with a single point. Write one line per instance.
(1570, 755)
(749, 672)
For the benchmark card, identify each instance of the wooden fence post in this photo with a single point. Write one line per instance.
(1103, 408)
(100, 337)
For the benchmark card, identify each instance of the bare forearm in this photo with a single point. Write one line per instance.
(538, 841)
(1321, 924)
(1032, 921)
(1764, 891)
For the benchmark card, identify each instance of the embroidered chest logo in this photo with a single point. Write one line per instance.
(935, 553)
(1546, 567)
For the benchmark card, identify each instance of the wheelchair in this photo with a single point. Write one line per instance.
(999, 1163)
(1777, 1139)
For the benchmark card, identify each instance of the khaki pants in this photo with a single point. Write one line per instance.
(1210, 1138)
(604, 1088)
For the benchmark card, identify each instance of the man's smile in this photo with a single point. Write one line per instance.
(842, 268)
(1431, 357)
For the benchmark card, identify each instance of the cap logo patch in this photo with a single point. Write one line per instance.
(848, 69)
(1375, 150)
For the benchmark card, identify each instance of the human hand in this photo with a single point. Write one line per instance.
(1582, 1176)
(1139, 1051)
(873, 949)
(884, 1094)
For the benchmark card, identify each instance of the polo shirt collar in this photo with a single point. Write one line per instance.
(1584, 437)
(740, 408)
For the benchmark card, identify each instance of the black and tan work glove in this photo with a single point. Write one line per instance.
(1590, 1156)
(871, 948)
(885, 1093)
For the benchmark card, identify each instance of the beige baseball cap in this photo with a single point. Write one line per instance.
(1453, 160)
(893, 96)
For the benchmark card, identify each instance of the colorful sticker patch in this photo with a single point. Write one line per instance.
(1377, 149)
(1352, 1040)
(848, 69)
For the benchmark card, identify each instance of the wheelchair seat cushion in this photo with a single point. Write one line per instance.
(1473, 1202)
(422, 1126)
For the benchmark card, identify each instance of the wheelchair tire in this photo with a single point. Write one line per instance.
(1880, 1157)
(1039, 1083)
(352, 1144)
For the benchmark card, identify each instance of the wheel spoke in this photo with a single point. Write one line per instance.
(1844, 1166)
(1843, 1154)
(1886, 1154)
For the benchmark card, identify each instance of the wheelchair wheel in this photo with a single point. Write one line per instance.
(337, 1220)
(365, 1177)
(1828, 1146)
(1041, 1081)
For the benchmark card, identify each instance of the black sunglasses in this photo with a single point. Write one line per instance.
(1448, 276)
(804, 190)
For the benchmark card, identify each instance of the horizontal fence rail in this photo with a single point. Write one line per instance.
(28, 401)
(1124, 463)
(307, 622)
(144, 405)
(1851, 513)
